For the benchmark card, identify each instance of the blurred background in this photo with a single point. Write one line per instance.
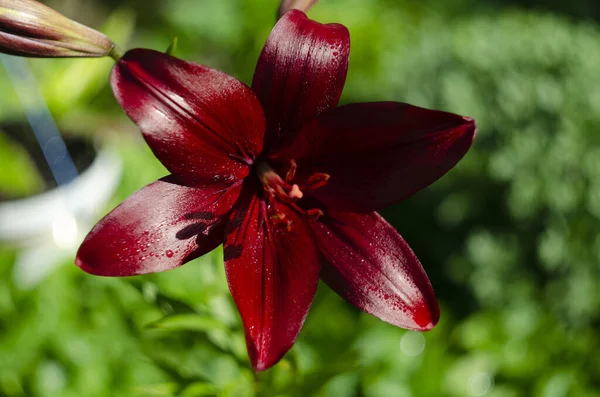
(510, 238)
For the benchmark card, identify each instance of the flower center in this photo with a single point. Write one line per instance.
(285, 191)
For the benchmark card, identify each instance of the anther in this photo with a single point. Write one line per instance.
(279, 220)
(291, 173)
(314, 214)
(317, 180)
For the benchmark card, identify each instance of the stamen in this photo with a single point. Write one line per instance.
(277, 217)
(284, 191)
(292, 171)
(314, 214)
(282, 195)
(279, 220)
(317, 180)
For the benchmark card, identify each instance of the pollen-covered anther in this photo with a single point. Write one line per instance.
(317, 180)
(291, 173)
(314, 214)
(280, 220)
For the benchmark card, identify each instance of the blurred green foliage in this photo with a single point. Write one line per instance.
(510, 237)
(19, 176)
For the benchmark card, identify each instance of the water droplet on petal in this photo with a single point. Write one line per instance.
(169, 253)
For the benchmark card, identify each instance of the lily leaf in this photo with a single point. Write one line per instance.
(199, 389)
(187, 322)
(172, 47)
(19, 176)
(157, 390)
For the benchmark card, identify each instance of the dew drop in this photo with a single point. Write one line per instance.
(169, 253)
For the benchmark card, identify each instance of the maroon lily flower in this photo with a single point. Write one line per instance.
(284, 179)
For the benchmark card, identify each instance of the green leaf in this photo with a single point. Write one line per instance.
(188, 322)
(172, 47)
(199, 389)
(157, 390)
(19, 176)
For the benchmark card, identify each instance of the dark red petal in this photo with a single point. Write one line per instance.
(377, 153)
(160, 227)
(203, 125)
(369, 264)
(301, 72)
(273, 275)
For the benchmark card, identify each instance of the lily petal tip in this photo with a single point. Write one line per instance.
(260, 366)
(471, 125)
(83, 265)
(427, 320)
(426, 316)
(261, 360)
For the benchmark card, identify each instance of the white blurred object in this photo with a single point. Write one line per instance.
(49, 227)
(22, 221)
(34, 263)
(64, 229)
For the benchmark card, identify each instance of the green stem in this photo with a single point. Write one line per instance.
(115, 53)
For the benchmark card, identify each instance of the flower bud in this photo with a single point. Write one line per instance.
(31, 29)
(302, 5)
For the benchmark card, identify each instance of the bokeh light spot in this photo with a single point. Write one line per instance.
(412, 343)
(480, 384)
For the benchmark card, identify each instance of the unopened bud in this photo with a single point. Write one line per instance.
(31, 29)
(302, 5)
